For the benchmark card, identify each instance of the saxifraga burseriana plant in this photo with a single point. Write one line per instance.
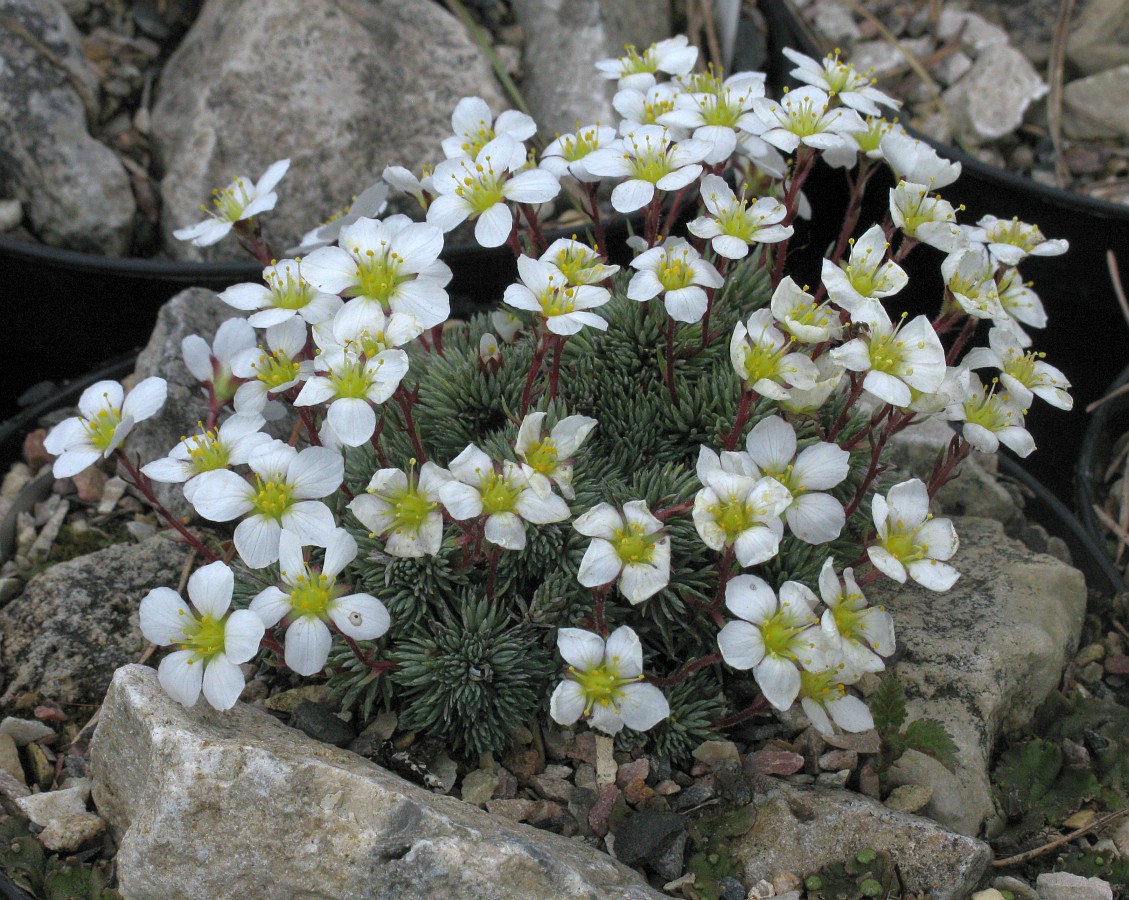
(626, 490)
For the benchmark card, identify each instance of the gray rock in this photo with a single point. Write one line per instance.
(315, 721)
(980, 658)
(1099, 39)
(564, 39)
(351, 828)
(1065, 886)
(11, 214)
(24, 731)
(975, 492)
(991, 99)
(71, 832)
(835, 22)
(74, 190)
(1097, 106)
(359, 86)
(192, 311)
(974, 30)
(77, 622)
(801, 829)
(647, 835)
(880, 56)
(47, 807)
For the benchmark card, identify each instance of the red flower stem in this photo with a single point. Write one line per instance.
(437, 339)
(963, 338)
(651, 223)
(744, 408)
(534, 369)
(852, 398)
(743, 715)
(378, 666)
(883, 411)
(143, 484)
(599, 598)
(558, 342)
(872, 471)
(724, 573)
(687, 670)
(271, 643)
(854, 207)
(308, 422)
(536, 235)
(405, 402)
(672, 511)
(597, 223)
(945, 469)
(805, 156)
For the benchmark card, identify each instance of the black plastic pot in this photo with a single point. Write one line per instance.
(1086, 335)
(65, 311)
(1107, 424)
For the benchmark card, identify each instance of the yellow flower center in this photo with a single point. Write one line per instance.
(276, 369)
(602, 685)
(102, 427)
(272, 498)
(205, 638)
(675, 273)
(410, 510)
(820, 686)
(231, 201)
(499, 495)
(542, 456)
(762, 361)
(378, 275)
(482, 191)
(733, 516)
(288, 289)
(557, 300)
(633, 546)
(351, 380)
(778, 632)
(206, 453)
(311, 593)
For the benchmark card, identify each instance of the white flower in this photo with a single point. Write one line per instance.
(676, 271)
(859, 286)
(758, 352)
(716, 113)
(406, 182)
(605, 683)
(475, 126)
(895, 358)
(488, 350)
(674, 56)
(970, 275)
(547, 460)
(649, 160)
(212, 643)
(366, 330)
(646, 106)
(352, 383)
(860, 633)
(926, 218)
(506, 324)
(991, 418)
(578, 262)
(915, 161)
(286, 493)
(106, 416)
(824, 701)
(210, 364)
(370, 203)
(285, 294)
(479, 188)
(738, 511)
(310, 597)
(238, 201)
(801, 317)
(828, 377)
(814, 517)
(505, 498)
(1023, 374)
(1021, 304)
(802, 117)
(910, 540)
(631, 546)
(566, 153)
(734, 223)
(841, 79)
(771, 635)
(392, 264)
(545, 290)
(273, 370)
(230, 445)
(404, 510)
(1011, 241)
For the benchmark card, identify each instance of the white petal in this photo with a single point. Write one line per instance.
(936, 576)
(256, 539)
(270, 605)
(241, 635)
(210, 589)
(816, 518)
(741, 645)
(749, 597)
(581, 649)
(181, 677)
(360, 616)
(539, 510)
(221, 496)
(642, 706)
(145, 399)
(311, 521)
(222, 682)
(641, 581)
(567, 704)
(163, 616)
(506, 530)
(756, 545)
(460, 500)
(600, 564)
(493, 227)
(779, 681)
(624, 652)
(317, 472)
(772, 443)
(307, 645)
(850, 714)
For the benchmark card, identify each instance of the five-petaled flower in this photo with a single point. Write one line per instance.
(310, 598)
(238, 201)
(403, 508)
(106, 416)
(605, 683)
(630, 545)
(910, 541)
(212, 642)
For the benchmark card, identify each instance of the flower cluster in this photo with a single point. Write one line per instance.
(674, 464)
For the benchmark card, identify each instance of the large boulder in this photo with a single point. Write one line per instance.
(563, 41)
(74, 190)
(980, 658)
(74, 624)
(235, 804)
(341, 87)
(803, 829)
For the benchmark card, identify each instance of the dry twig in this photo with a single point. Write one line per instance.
(1058, 842)
(1055, 77)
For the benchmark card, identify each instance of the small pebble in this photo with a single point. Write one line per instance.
(833, 779)
(1065, 886)
(551, 787)
(71, 832)
(1080, 819)
(90, 484)
(909, 798)
(717, 753)
(10, 758)
(836, 760)
(637, 770)
(585, 777)
(41, 765)
(478, 786)
(1088, 654)
(667, 787)
(287, 701)
(583, 748)
(1117, 665)
(605, 760)
(11, 214)
(784, 881)
(516, 810)
(42, 808)
(637, 793)
(775, 762)
(989, 894)
(1021, 889)
(24, 731)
